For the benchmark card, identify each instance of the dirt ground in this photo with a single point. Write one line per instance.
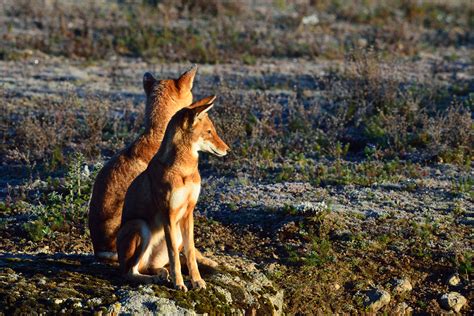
(350, 178)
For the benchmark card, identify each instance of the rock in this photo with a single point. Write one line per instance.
(276, 300)
(454, 280)
(272, 267)
(403, 309)
(135, 303)
(58, 301)
(453, 301)
(242, 292)
(227, 296)
(336, 286)
(94, 301)
(402, 286)
(114, 309)
(375, 299)
(239, 290)
(362, 42)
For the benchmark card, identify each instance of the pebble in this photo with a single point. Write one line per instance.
(58, 301)
(94, 301)
(402, 286)
(454, 280)
(376, 299)
(114, 309)
(403, 309)
(362, 42)
(453, 301)
(272, 267)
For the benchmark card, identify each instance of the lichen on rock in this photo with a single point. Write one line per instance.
(75, 283)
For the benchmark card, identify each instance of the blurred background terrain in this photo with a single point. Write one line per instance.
(350, 123)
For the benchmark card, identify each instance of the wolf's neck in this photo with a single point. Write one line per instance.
(179, 156)
(157, 117)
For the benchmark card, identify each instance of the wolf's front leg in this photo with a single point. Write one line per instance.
(172, 243)
(187, 224)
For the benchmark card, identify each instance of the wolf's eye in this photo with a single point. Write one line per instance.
(209, 131)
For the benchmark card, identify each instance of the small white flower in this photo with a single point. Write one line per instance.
(86, 172)
(311, 207)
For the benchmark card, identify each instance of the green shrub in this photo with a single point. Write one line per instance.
(62, 209)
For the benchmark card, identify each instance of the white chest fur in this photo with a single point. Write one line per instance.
(182, 197)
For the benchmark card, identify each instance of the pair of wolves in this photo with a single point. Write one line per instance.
(141, 208)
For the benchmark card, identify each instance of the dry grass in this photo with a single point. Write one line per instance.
(363, 107)
(363, 127)
(45, 131)
(216, 31)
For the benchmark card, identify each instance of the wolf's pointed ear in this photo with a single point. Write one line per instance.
(185, 81)
(148, 82)
(202, 106)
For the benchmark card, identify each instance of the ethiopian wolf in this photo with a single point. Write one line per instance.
(163, 99)
(157, 220)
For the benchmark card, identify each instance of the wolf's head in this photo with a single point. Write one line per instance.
(165, 97)
(195, 129)
(203, 133)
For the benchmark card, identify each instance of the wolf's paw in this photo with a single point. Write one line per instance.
(199, 284)
(161, 274)
(181, 287)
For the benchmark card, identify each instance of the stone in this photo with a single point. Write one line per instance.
(375, 299)
(403, 309)
(453, 301)
(135, 303)
(94, 301)
(402, 286)
(239, 291)
(362, 42)
(114, 309)
(454, 280)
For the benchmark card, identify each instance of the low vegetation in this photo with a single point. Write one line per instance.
(214, 31)
(386, 151)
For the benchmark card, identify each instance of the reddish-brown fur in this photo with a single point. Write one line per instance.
(163, 99)
(159, 204)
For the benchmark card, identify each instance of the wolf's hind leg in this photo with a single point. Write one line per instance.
(161, 273)
(134, 249)
(159, 258)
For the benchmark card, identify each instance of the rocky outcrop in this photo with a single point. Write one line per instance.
(75, 283)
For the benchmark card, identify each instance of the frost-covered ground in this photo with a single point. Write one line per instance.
(326, 245)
